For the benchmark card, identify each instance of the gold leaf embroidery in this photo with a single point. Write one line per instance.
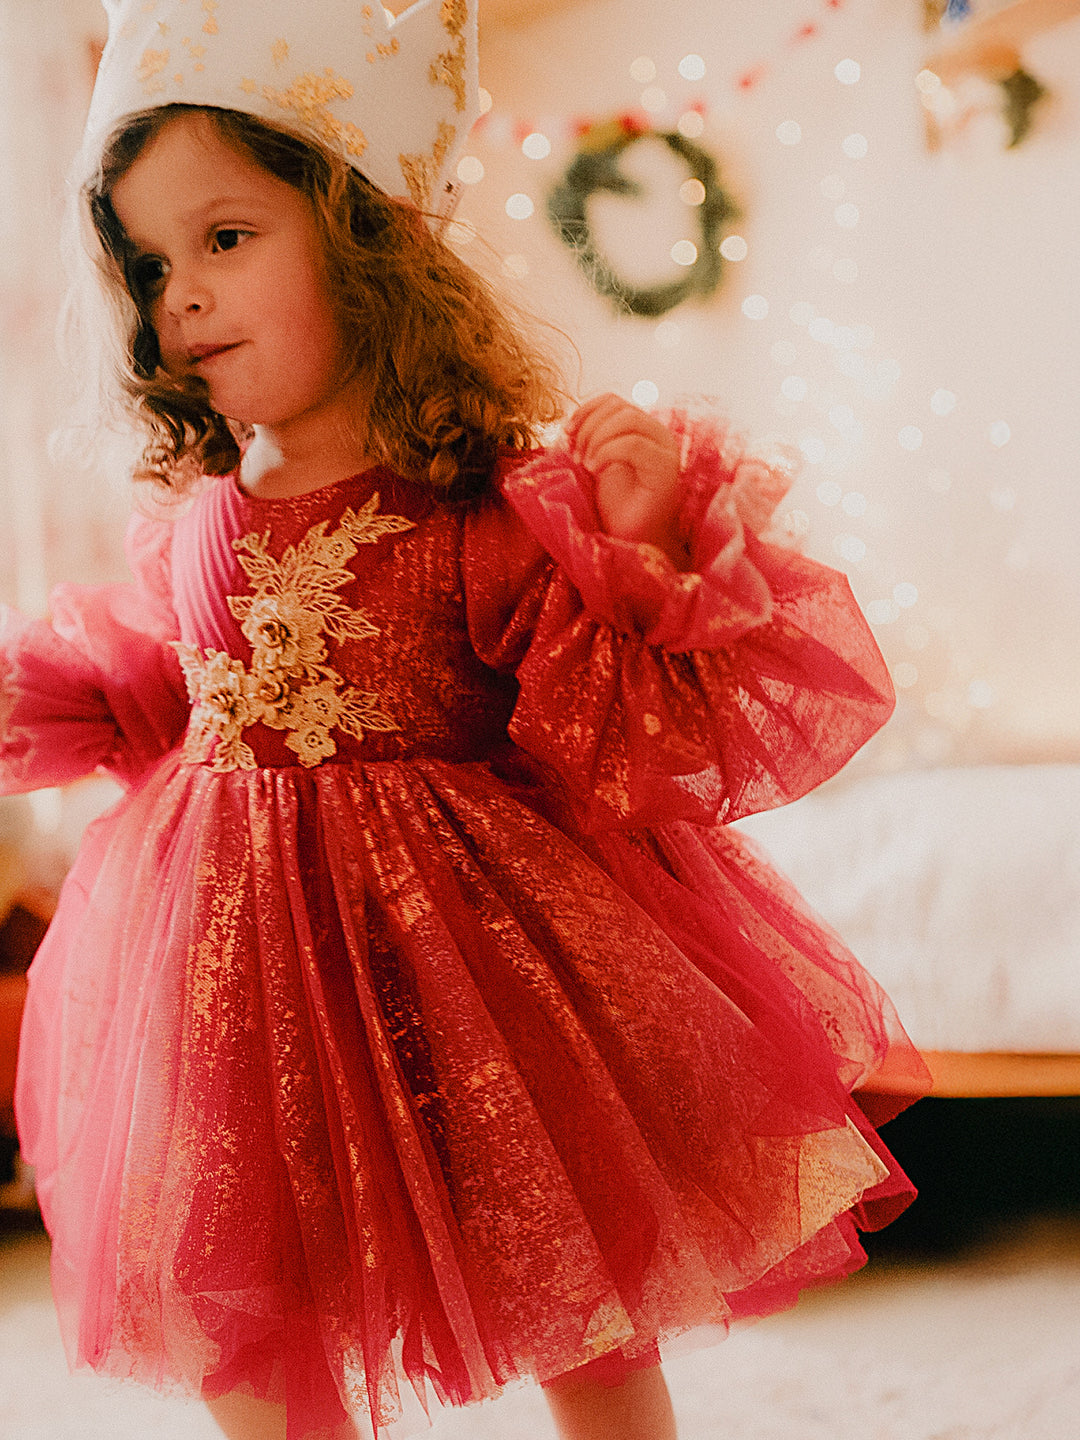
(420, 170)
(449, 67)
(309, 98)
(151, 64)
(288, 685)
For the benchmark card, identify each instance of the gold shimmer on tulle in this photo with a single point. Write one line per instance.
(829, 1165)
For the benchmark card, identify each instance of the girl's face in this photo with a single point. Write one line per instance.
(228, 269)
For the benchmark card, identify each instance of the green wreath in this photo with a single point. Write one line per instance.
(596, 167)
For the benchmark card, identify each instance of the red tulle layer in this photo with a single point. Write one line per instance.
(450, 1098)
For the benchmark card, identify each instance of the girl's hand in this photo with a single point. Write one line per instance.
(634, 460)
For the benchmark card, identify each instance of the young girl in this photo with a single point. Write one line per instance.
(413, 1025)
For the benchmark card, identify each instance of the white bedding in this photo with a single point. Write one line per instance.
(958, 889)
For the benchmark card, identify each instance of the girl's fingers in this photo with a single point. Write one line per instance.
(587, 407)
(593, 413)
(640, 452)
(609, 420)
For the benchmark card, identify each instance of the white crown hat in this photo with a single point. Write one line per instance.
(396, 97)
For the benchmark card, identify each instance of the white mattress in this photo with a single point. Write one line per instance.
(959, 890)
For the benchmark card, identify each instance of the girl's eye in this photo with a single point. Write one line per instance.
(230, 237)
(146, 276)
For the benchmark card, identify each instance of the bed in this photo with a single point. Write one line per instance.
(959, 889)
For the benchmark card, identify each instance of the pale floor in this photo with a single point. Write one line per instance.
(986, 1347)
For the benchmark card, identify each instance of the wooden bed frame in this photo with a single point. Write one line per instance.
(958, 1075)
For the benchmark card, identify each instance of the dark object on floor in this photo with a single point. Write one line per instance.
(20, 934)
(9, 1148)
(981, 1164)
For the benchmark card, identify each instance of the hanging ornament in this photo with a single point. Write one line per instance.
(595, 169)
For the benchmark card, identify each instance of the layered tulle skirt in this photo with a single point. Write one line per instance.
(358, 1084)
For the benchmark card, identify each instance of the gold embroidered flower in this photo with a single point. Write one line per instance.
(223, 693)
(288, 684)
(271, 692)
(320, 704)
(224, 706)
(312, 745)
(283, 635)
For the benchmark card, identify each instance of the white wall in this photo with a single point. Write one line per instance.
(967, 276)
(56, 521)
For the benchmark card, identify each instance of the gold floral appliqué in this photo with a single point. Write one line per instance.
(288, 685)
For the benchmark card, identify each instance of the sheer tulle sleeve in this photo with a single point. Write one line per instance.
(96, 685)
(756, 678)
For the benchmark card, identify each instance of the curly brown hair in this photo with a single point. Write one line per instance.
(451, 370)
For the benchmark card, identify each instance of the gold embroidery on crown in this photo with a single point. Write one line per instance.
(288, 684)
(420, 170)
(151, 64)
(309, 97)
(449, 67)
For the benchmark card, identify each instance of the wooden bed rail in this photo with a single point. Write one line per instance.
(957, 1074)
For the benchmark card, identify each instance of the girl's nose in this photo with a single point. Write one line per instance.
(186, 294)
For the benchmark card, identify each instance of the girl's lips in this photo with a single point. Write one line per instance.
(199, 353)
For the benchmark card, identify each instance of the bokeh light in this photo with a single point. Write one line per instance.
(692, 67)
(536, 146)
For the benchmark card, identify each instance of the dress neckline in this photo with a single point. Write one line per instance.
(306, 496)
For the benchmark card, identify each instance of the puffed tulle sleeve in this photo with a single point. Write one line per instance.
(96, 685)
(755, 679)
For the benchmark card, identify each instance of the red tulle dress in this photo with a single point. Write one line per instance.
(414, 1024)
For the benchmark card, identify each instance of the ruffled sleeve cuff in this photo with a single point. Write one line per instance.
(97, 684)
(55, 724)
(724, 495)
